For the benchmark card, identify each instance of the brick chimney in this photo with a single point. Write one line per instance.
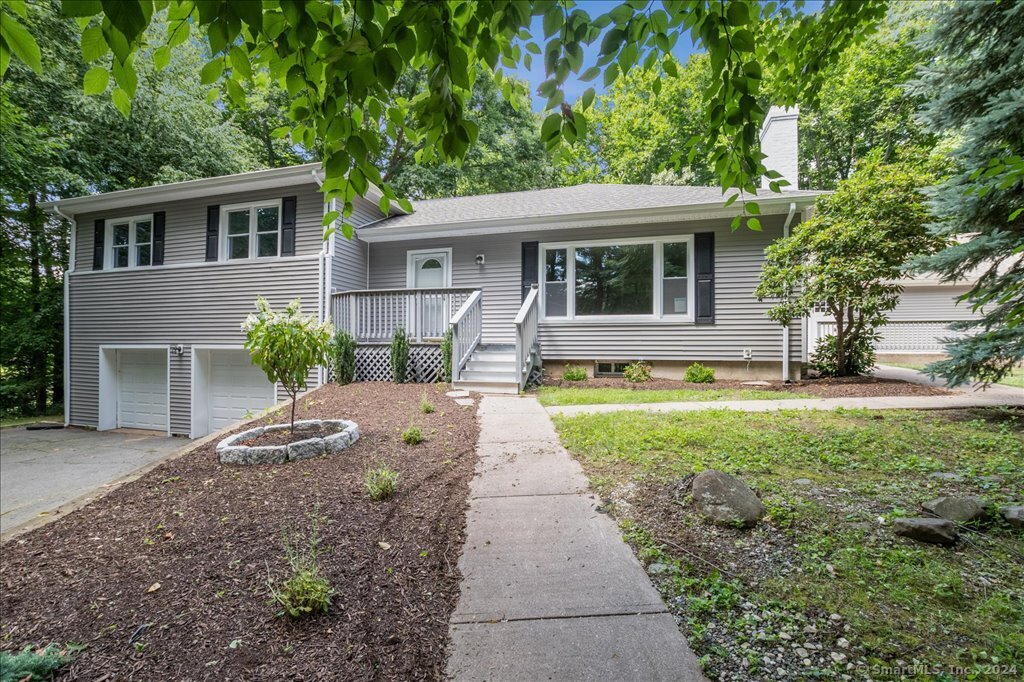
(779, 142)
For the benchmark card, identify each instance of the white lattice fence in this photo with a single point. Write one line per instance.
(373, 363)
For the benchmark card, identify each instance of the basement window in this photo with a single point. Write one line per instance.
(610, 369)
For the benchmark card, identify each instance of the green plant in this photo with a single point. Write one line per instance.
(29, 664)
(574, 373)
(400, 356)
(426, 407)
(699, 374)
(286, 345)
(344, 358)
(381, 482)
(637, 372)
(305, 590)
(859, 357)
(413, 435)
(446, 355)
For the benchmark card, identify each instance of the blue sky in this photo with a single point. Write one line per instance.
(574, 87)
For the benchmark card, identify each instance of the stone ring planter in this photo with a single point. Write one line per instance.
(232, 450)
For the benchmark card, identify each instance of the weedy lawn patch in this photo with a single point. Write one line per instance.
(822, 587)
(557, 395)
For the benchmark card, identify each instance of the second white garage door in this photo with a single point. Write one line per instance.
(237, 388)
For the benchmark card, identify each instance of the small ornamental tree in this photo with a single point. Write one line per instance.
(287, 345)
(850, 256)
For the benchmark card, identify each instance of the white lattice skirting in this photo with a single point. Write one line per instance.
(905, 336)
(373, 363)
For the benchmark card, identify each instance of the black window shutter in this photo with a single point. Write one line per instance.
(99, 231)
(530, 266)
(704, 255)
(212, 231)
(288, 226)
(159, 222)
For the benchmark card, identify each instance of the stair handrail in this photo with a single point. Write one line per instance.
(527, 341)
(467, 330)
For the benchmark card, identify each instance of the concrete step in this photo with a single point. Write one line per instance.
(506, 387)
(491, 366)
(477, 375)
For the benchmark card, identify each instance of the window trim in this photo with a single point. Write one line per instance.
(108, 242)
(658, 315)
(252, 207)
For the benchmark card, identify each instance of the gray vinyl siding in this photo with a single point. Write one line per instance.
(185, 240)
(189, 305)
(740, 320)
(348, 267)
(932, 304)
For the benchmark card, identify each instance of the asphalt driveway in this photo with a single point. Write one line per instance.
(41, 470)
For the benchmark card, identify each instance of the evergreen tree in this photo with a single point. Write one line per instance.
(975, 95)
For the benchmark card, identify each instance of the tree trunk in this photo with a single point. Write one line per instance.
(840, 343)
(39, 353)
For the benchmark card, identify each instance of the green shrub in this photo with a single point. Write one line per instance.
(27, 664)
(699, 374)
(446, 356)
(344, 358)
(574, 373)
(381, 483)
(305, 590)
(426, 407)
(860, 356)
(400, 356)
(413, 435)
(637, 372)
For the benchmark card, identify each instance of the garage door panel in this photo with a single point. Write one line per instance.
(236, 388)
(142, 389)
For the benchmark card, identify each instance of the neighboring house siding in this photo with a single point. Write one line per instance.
(928, 303)
(741, 322)
(185, 240)
(188, 305)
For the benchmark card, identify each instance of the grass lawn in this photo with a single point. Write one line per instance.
(558, 395)
(822, 587)
(1015, 378)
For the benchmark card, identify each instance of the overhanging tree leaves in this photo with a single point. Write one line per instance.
(340, 61)
(974, 92)
(850, 256)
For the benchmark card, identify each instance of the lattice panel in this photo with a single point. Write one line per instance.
(373, 363)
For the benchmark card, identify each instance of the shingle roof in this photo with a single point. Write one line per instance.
(580, 199)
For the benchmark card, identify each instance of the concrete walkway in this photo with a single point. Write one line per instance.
(550, 591)
(1007, 393)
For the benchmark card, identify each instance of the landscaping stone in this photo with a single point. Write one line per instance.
(232, 450)
(1014, 516)
(802, 481)
(935, 531)
(946, 476)
(957, 509)
(726, 500)
(754, 383)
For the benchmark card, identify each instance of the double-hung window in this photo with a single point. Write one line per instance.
(608, 280)
(131, 242)
(251, 230)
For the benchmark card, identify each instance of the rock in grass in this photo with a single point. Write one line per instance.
(726, 500)
(1014, 516)
(935, 531)
(957, 509)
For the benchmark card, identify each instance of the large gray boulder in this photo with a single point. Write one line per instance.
(957, 509)
(726, 500)
(1014, 516)
(935, 531)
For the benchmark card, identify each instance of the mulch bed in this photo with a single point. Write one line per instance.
(844, 387)
(285, 437)
(210, 533)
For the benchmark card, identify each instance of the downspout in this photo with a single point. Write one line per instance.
(785, 327)
(324, 266)
(67, 313)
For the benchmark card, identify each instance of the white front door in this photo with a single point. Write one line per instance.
(142, 389)
(429, 270)
(237, 388)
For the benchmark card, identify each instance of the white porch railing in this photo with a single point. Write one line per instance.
(467, 330)
(372, 316)
(527, 344)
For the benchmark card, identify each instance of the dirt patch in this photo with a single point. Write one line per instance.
(286, 437)
(210, 534)
(844, 387)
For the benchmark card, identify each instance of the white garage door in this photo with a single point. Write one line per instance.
(237, 388)
(142, 389)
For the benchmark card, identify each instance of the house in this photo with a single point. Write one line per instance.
(599, 275)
